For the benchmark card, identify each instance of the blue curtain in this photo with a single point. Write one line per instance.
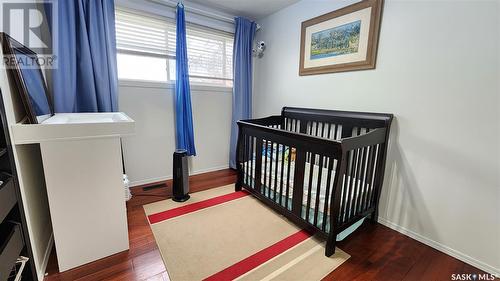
(242, 88)
(183, 113)
(85, 79)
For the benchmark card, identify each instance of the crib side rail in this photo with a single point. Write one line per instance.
(272, 165)
(372, 137)
(274, 121)
(358, 191)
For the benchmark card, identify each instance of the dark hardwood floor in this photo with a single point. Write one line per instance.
(377, 252)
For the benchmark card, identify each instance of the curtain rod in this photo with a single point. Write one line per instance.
(173, 4)
(188, 8)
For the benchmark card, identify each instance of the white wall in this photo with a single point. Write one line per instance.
(148, 154)
(438, 72)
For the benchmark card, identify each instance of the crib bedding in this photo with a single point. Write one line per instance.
(272, 185)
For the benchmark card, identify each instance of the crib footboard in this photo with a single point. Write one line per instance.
(322, 185)
(272, 165)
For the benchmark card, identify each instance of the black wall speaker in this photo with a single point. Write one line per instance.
(181, 176)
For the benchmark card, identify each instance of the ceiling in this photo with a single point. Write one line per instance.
(253, 9)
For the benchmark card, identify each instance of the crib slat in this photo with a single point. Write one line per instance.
(282, 172)
(288, 175)
(327, 192)
(264, 175)
(258, 164)
(369, 170)
(243, 152)
(245, 158)
(376, 165)
(318, 190)
(270, 173)
(344, 184)
(366, 163)
(361, 179)
(350, 184)
(370, 178)
(350, 168)
(309, 187)
(354, 186)
(365, 178)
(241, 155)
(298, 181)
(276, 159)
(308, 130)
(252, 160)
(357, 183)
(270, 165)
(339, 179)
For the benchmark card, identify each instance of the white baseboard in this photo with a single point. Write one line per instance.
(148, 181)
(440, 247)
(46, 257)
(169, 177)
(214, 169)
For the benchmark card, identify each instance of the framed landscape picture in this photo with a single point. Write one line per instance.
(343, 40)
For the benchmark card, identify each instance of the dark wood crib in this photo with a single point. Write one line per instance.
(312, 165)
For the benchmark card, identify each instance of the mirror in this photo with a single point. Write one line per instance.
(28, 79)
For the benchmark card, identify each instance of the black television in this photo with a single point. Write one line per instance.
(24, 70)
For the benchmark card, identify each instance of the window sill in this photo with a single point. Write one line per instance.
(164, 85)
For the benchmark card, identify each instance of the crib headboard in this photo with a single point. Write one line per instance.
(350, 122)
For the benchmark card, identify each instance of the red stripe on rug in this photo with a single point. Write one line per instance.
(186, 209)
(255, 260)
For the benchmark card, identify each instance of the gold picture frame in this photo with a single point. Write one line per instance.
(342, 40)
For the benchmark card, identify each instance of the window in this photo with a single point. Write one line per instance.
(146, 50)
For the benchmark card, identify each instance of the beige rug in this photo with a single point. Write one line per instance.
(222, 235)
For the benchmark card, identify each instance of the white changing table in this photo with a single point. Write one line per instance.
(82, 164)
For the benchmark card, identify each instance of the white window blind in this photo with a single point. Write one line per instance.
(144, 43)
(210, 55)
(139, 34)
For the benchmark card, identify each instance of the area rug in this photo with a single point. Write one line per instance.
(220, 234)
